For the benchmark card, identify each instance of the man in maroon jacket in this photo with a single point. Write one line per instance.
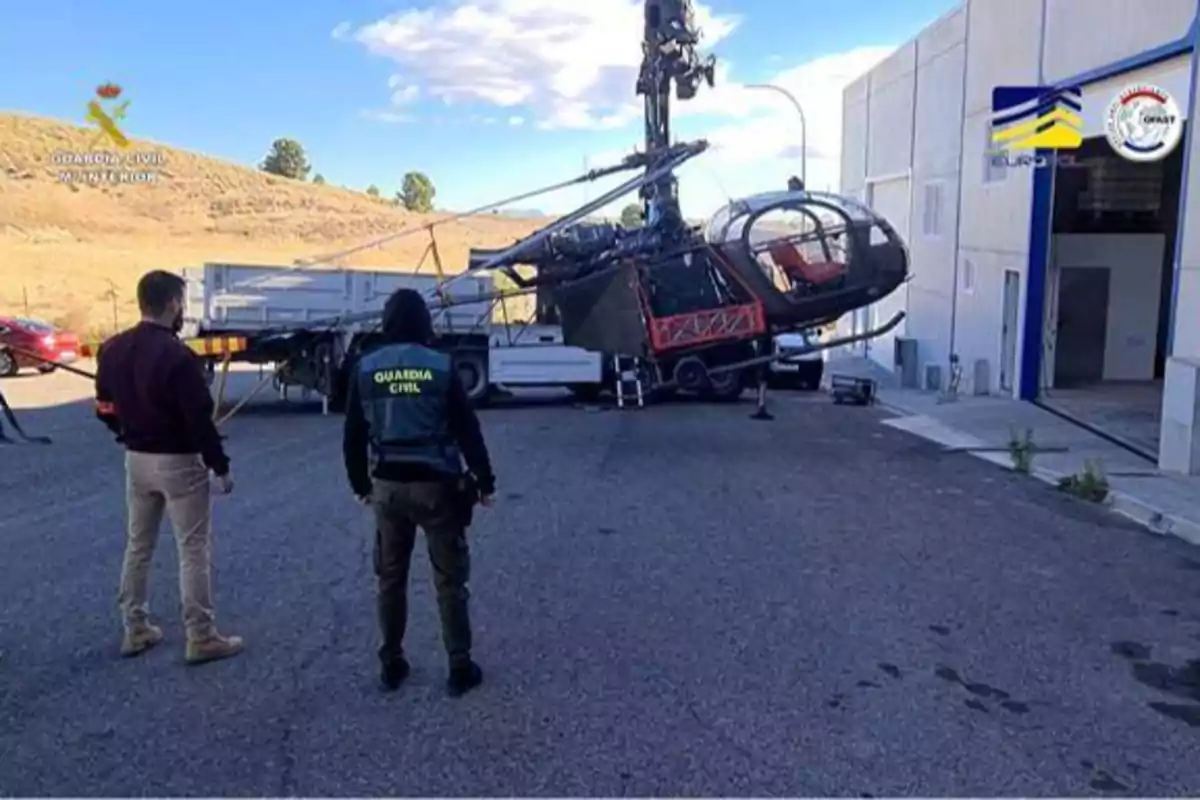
(152, 394)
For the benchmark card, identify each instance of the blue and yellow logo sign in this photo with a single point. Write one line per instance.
(1036, 118)
(107, 121)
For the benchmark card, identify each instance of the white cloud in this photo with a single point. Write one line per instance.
(386, 116)
(766, 129)
(406, 95)
(568, 64)
(769, 126)
(559, 64)
(755, 133)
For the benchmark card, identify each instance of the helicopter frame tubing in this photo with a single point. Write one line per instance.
(675, 334)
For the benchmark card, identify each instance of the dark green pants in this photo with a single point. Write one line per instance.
(400, 508)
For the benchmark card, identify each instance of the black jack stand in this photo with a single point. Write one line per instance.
(760, 412)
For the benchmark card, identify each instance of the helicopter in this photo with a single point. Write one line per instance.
(698, 306)
(694, 307)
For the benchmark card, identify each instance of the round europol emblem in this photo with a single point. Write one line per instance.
(1144, 123)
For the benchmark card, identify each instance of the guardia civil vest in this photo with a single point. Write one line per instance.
(403, 390)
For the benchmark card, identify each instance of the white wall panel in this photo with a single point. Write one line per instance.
(1078, 40)
(995, 215)
(1187, 316)
(941, 70)
(854, 145)
(892, 85)
(946, 33)
(931, 248)
(1004, 47)
(981, 313)
(939, 113)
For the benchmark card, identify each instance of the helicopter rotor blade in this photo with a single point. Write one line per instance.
(677, 156)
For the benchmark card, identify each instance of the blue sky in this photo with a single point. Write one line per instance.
(488, 97)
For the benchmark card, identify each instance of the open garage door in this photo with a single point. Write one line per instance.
(890, 197)
(1109, 278)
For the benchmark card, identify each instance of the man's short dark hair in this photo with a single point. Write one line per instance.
(157, 289)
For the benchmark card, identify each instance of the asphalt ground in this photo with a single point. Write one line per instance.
(675, 601)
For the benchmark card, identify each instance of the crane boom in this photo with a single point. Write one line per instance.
(669, 56)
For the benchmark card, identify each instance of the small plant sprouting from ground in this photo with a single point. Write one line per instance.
(1021, 449)
(1090, 484)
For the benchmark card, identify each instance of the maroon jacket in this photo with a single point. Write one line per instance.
(151, 393)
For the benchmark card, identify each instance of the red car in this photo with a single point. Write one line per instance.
(37, 337)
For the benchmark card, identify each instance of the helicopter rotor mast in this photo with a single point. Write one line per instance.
(669, 55)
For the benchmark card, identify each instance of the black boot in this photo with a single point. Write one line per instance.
(392, 674)
(463, 678)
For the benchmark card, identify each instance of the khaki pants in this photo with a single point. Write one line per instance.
(177, 485)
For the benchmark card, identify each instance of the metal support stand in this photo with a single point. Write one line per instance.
(761, 412)
(262, 384)
(222, 382)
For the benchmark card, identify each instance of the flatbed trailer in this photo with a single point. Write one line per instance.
(280, 316)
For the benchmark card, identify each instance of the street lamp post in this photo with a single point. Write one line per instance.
(803, 124)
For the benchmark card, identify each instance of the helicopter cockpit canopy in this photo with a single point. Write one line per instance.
(808, 254)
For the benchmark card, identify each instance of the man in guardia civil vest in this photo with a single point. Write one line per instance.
(409, 429)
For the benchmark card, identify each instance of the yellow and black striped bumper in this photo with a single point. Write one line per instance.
(217, 345)
(209, 346)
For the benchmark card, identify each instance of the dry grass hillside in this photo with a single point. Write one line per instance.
(67, 248)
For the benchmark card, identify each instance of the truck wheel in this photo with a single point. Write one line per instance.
(586, 392)
(8, 364)
(472, 371)
(725, 386)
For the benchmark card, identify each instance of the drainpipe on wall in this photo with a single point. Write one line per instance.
(952, 355)
(1043, 379)
(912, 169)
(867, 200)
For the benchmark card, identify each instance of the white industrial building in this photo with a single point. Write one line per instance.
(1074, 286)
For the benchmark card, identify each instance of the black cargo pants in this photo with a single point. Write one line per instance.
(436, 508)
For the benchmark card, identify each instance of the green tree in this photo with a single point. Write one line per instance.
(373, 190)
(417, 192)
(287, 159)
(631, 216)
(319, 179)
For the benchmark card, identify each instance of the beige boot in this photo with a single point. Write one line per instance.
(215, 647)
(139, 639)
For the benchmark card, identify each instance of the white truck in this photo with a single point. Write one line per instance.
(283, 315)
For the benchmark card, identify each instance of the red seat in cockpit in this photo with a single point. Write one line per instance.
(796, 267)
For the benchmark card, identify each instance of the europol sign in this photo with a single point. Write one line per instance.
(1143, 123)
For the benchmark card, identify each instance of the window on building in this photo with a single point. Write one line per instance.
(966, 276)
(994, 167)
(931, 209)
